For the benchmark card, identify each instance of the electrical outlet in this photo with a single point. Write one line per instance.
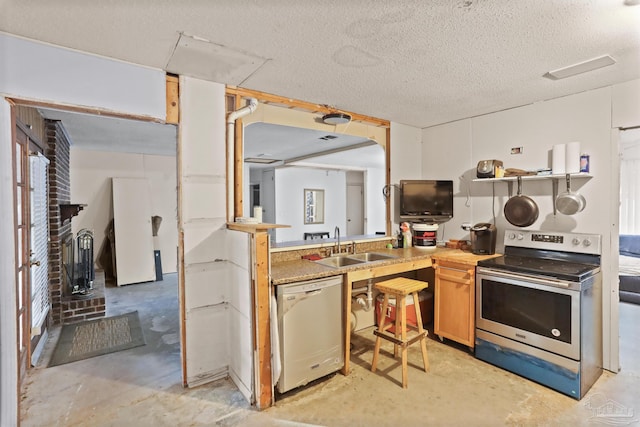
(516, 150)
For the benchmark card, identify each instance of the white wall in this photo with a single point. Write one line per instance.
(406, 163)
(584, 117)
(374, 201)
(91, 173)
(454, 163)
(290, 184)
(287, 188)
(625, 108)
(268, 197)
(42, 72)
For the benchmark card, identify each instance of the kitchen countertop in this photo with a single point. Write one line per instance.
(302, 269)
(463, 257)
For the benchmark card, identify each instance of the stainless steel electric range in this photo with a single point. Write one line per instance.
(539, 309)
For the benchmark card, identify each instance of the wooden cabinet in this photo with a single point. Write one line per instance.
(454, 309)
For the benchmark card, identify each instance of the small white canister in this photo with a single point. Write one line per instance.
(558, 159)
(572, 157)
(425, 236)
(257, 213)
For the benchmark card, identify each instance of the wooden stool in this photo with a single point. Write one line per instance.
(399, 288)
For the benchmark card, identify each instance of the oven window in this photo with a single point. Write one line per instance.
(537, 311)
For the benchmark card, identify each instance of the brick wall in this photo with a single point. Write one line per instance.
(64, 308)
(58, 152)
(77, 310)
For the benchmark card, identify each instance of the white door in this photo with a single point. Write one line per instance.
(39, 244)
(135, 261)
(355, 210)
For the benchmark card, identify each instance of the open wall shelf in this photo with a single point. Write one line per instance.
(554, 181)
(535, 177)
(68, 211)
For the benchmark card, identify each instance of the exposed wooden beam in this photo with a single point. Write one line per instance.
(303, 105)
(84, 110)
(173, 100)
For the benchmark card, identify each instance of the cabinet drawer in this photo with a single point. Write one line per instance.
(454, 273)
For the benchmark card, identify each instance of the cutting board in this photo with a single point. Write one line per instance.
(460, 256)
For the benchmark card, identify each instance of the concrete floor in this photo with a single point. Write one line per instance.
(142, 386)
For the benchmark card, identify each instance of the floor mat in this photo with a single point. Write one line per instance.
(97, 337)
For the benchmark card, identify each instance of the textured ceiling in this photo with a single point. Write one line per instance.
(419, 63)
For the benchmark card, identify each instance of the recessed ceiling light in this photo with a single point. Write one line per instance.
(581, 67)
(336, 118)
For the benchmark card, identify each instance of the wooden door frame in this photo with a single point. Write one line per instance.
(33, 144)
(22, 222)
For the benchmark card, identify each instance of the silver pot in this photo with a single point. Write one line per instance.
(569, 202)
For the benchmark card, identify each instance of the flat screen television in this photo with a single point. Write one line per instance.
(429, 201)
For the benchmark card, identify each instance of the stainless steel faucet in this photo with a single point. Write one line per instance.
(336, 235)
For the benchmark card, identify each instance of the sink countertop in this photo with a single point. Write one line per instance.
(302, 269)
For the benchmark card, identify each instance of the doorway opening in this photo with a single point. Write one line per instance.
(100, 148)
(629, 243)
(356, 219)
(629, 246)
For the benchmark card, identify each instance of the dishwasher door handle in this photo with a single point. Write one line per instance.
(313, 292)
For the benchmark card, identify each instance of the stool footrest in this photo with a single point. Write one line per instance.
(392, 324)
(399, 341)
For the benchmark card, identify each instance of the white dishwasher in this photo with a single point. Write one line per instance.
(310, 326)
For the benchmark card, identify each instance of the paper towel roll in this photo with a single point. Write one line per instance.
(558, 159)
(572, 157)
(257, 213)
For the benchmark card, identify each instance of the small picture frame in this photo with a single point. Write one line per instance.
(313, 206)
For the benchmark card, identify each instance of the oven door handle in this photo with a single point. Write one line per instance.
(516, 276)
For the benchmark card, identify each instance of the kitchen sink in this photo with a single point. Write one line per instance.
(339, 261)
(371, 256)
(346, 260)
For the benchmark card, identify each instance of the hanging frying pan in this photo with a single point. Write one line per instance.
(570, 203)
(521, 210)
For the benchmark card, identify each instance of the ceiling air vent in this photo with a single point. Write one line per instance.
(328, 137)
(260, 160)
(582, 67)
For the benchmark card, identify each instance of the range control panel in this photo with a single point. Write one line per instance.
(556, 241)
(551, 238)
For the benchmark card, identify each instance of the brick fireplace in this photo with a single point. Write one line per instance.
(65, 307)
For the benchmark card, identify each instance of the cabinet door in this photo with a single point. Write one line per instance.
(454, 299)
